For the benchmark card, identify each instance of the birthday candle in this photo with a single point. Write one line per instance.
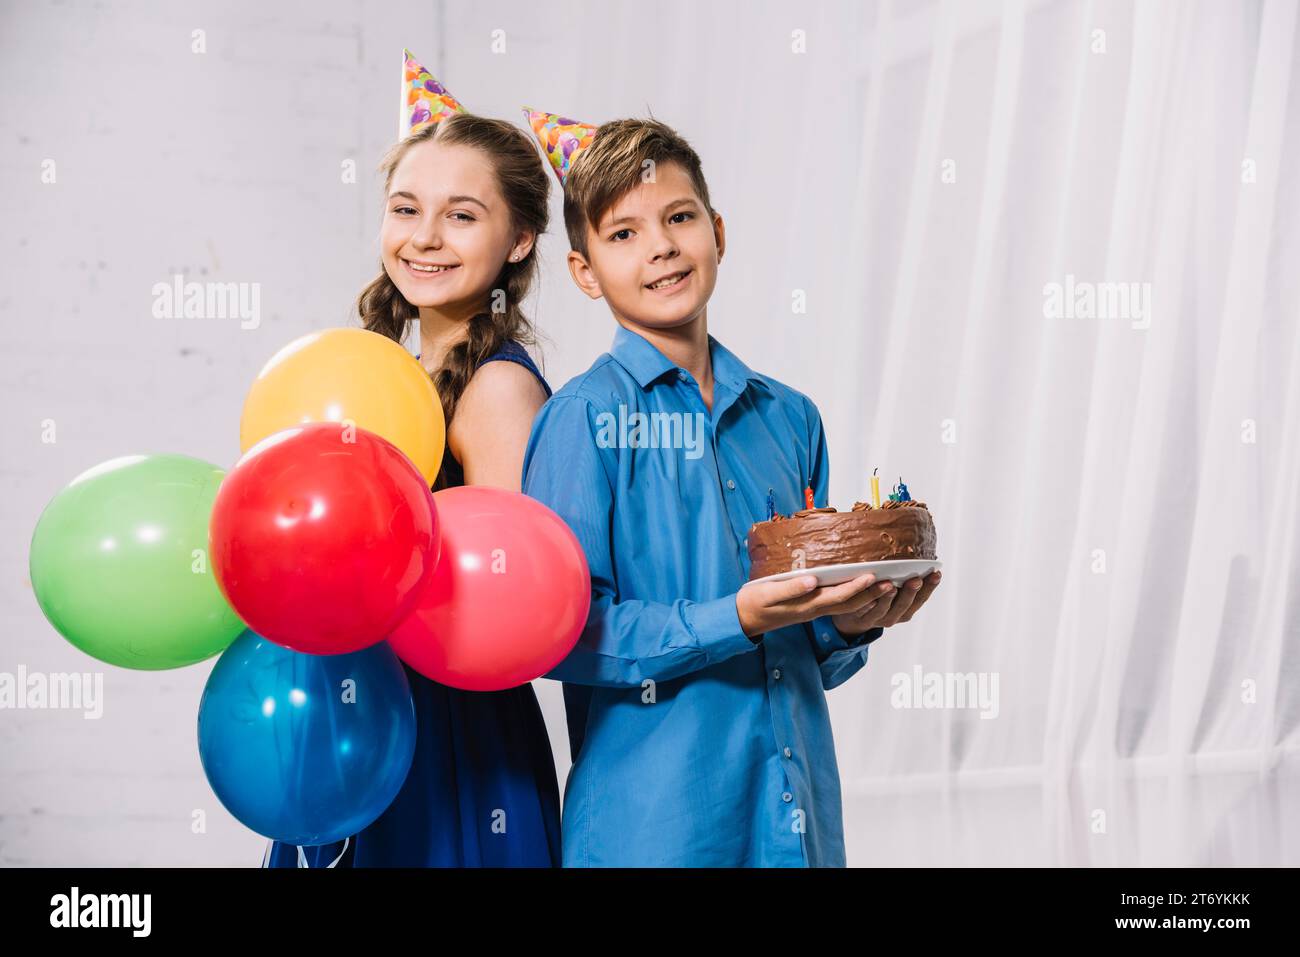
(771, 506)
(875, 490)
(808, 497)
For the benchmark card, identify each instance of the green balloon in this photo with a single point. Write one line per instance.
(119, 563)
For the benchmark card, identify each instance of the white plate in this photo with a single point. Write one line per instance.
(897, 571)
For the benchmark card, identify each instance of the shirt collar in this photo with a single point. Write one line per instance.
(646, 363)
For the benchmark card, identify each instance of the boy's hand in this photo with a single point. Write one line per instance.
(911, 595)
(770, 605)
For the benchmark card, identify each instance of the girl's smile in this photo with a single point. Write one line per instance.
(425, 271)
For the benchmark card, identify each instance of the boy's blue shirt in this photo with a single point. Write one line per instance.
(692, 745)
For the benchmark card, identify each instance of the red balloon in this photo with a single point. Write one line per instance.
(322, 536)
(507, 601)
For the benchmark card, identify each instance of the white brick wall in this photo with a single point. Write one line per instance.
(224, 166)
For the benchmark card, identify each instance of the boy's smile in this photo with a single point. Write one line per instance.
(654, 255)
(671, 283)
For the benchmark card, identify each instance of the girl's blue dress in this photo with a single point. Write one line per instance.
(477, 753)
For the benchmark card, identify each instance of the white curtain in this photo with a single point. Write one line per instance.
(1118, 499)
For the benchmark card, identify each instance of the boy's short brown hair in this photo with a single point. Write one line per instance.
(613, 165)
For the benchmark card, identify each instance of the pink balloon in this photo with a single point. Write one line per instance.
(508, 598)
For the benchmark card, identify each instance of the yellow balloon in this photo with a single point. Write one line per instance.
(349, 375)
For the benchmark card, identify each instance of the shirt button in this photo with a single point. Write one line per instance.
(747, 543)
(787, 797)
(681, 375)
(787, 752)
(776, 673)
(731, 484)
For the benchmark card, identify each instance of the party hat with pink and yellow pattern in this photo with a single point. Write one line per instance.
(562, 139)
(425, 101)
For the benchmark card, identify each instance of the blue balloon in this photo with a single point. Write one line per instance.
(306, 749)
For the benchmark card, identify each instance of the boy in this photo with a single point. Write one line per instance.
(696, 709)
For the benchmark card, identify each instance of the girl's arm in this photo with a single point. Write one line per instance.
(493, 418)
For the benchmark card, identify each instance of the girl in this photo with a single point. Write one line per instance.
(466, 199)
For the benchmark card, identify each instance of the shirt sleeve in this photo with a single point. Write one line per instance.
(623, 642)
(840, 656)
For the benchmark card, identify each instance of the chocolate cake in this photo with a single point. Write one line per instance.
(824, 536)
